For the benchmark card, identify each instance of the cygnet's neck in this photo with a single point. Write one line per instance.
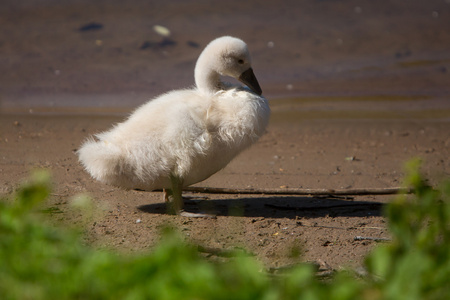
(207, 79)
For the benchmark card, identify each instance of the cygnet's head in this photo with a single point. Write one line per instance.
(226, 56)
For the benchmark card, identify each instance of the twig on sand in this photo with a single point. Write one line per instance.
(323, 270)
(368, 238)
(293, 191)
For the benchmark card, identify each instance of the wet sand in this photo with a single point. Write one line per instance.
(313, 48)
(356, 89)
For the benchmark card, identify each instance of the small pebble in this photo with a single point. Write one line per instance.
(161, 30)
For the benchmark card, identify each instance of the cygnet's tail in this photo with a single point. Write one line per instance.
(101, 159)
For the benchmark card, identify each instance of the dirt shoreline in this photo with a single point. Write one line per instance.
(312, 153)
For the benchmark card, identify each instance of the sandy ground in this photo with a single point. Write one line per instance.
(307, 154)
(356, 89)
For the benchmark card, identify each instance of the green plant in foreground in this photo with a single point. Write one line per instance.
(416, 265)
(38, 261)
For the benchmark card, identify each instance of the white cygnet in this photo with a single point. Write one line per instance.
(184, 136)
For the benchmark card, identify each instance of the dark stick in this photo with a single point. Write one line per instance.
(312, 192)
(365, 238)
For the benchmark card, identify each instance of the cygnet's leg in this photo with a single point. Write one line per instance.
(176, 203)
(173, 196)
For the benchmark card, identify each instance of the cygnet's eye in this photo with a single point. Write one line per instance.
(241, 61)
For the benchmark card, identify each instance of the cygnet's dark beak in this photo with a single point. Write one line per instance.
(249, 79)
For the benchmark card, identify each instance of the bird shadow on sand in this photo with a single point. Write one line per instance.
(276, 207)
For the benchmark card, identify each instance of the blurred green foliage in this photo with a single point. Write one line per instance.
(416, 265)
(38, 261)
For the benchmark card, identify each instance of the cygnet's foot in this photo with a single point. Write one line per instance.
(196, 215)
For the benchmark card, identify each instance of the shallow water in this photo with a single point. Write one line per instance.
(315, 58)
